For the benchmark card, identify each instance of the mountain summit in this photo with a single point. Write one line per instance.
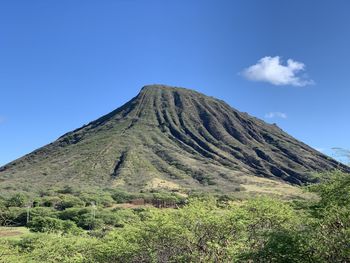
(171, 138)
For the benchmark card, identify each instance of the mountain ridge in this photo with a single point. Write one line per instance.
(171, 137)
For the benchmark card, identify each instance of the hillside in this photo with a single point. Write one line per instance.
(175, 139)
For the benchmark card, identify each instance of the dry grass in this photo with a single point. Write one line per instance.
(13, 232)
(256, 185)
(157, 183)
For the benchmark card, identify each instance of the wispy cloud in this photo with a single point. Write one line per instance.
(341, 155)
(341, 152)
(276, 114)
(271, 70)
(2, 119)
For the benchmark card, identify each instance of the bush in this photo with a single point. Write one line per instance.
(53, 225)
(14, 216)
(18, 200)
(46, 224)
(104, 199)
(120, 196)
(50, 248)
(68, 201)
(42, 212)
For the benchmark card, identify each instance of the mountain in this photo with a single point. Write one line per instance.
(175, 139)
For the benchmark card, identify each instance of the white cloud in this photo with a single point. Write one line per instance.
(277, 114)
(271, 70)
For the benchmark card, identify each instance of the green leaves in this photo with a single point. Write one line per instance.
(18, 200)
(53, 225)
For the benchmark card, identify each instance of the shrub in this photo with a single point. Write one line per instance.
(122, 197)
(68, 201)
(46, 224)
(18, 200)
(53, 225)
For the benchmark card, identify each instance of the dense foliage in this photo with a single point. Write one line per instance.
(82, 227)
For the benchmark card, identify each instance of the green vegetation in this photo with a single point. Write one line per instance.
(67, 225)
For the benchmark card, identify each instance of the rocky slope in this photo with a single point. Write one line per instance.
(170, 138)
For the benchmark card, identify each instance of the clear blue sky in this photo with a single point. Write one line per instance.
(65, 63)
